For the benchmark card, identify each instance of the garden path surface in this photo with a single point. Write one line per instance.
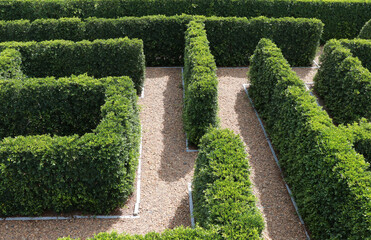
(236, 113)
(166, 171)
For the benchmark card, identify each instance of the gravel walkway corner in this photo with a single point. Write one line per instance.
(237, 114)
(166, 171)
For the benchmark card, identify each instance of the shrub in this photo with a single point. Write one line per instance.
(100, 58)
(344, 84)
(360, 48)
(10, 64)
(366, 31)
(51, 167)
(338, 16)
(359, 133)
(328, 178)
(163, 37)
(222, 190)
(200, 84)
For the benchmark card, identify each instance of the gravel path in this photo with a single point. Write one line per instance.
(237, 114)
(166, 171)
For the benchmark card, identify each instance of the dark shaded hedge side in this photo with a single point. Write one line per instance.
(365, 32)
(99, 58)
(344, 84)
(163, 37)
(342, 18)
(222, 190)
(10, 64)
(90, 173)
(200, 84)
(179, 233)
(328, 178)
(359, 133)
(360, 48)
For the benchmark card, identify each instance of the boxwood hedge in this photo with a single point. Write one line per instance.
(365, 32)
(51, 167)
(342, 18)
(10, 64)
(344, 84)
(163, 37)
(200, 84)
(222, 190)
(360, 48)
(99, 58)
(328, 178)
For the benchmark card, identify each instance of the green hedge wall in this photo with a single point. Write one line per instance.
(342, 18)
(232, 40)
(10, 64)
(222, 190)
(344, 84)
(328, 178)
(99, 58)
(360, 48)
(359, 133)
(92, 172)
(200, 84)
(365, 32)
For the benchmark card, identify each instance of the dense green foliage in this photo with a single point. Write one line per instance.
(360, 48)
(163, 37)
(200, 84)
(222, 190)
(10, 64)
(344, 84)
(342, 18)
(179, 233)
(91, 172)
(366, 31)
(328, 178)
(359, 133)
(100, 58)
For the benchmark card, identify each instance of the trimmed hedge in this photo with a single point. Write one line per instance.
(337, 15)
(328, 178)
(163, 37)
(100, 58)
(200, 84)
(365, 32)
(10, 64)
(359, 133)
(93, 171)
(360, 48)
(344, 84)
(222, 190)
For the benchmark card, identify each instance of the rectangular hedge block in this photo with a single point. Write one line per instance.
(232, 40)
(68, 144)
(329, 180)
(99, 58)
(10, 64)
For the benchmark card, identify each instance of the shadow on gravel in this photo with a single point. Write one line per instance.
(176, 163)
(182, 216)
(274, 198)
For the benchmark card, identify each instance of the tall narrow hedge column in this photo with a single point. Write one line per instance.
(200, 83)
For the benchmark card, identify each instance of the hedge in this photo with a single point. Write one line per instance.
(10, 64)
(99, 58)
(342, 18)
(163, 37)
(359, 133)
(360, 48)
(51, 167)
(328, 178)
(200, 84)
(344, 84)
(222, 192)
(366, 31)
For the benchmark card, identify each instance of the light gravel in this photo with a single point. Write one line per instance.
(166, 171)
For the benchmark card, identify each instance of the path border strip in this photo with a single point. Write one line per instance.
(191, 204)
(245, 86)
